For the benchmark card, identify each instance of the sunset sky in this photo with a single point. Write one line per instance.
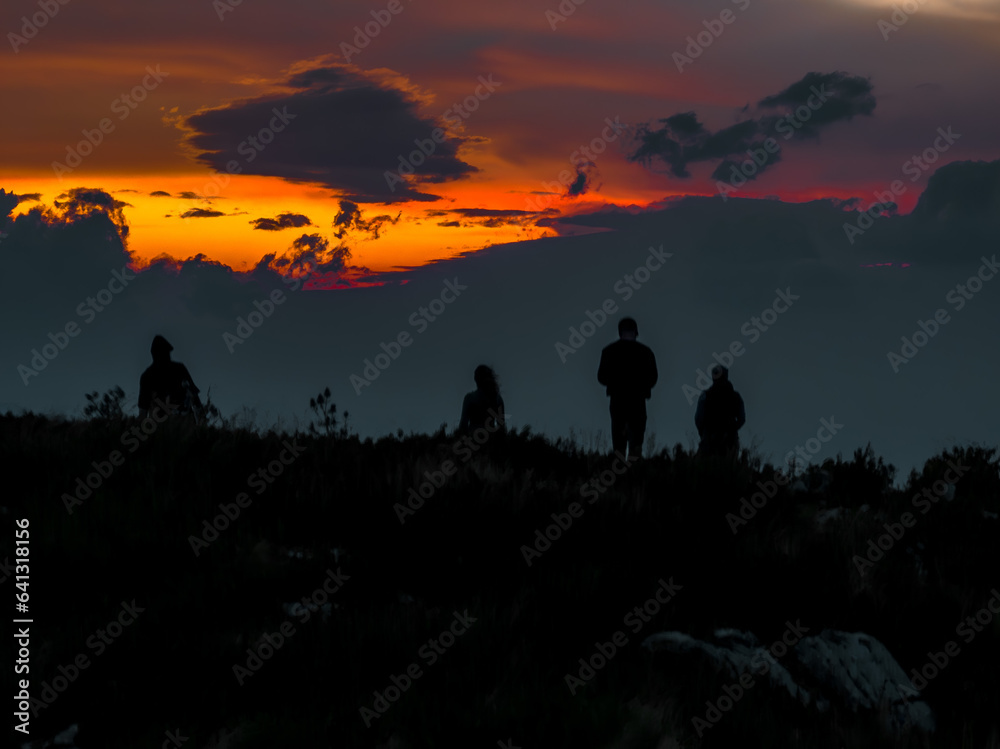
(223, 66)
(214, 148)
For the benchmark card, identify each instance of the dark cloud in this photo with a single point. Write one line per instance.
(159, 194)
(490, 217)
(29, 196)
(349, 219)
(8, 202)
(333, 126)
(803, 109)
(493, 218)
(728, 257)
(78, 239)
(487, 212)
(310, 256)
(844, 97)
(966, 189)
(283, 221)
(188, 195)
(586, 174)
(201, 213)
(82, 201)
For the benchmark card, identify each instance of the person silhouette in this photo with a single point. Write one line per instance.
(483, 407)
(167, 381)
(719, 416)
(628, 371)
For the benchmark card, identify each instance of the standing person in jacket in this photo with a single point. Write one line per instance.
(168, 381)
(719, 416)
(628, 371)
(483, 407)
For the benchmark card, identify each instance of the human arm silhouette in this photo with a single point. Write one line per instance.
(653, 374)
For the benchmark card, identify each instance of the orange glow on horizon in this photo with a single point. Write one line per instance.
(416, 239)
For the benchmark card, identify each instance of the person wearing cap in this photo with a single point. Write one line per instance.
(168, 381)
(628, 371)
(719, 416)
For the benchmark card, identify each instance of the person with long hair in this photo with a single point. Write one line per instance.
(483, 407)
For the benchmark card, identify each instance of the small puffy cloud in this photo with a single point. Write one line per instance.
(349, 218)
(282, 221)
(491, 217)
(201, 213)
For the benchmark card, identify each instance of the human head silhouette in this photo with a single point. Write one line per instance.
(486, 379)
(160, 349)
(720, 374)
(628, 329)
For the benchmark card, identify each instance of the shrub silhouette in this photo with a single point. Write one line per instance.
(334, 505)
(109, 407)
(326, 414)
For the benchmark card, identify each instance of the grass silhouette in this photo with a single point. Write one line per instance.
(335, 506)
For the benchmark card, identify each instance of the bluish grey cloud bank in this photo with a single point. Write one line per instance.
(892, 338)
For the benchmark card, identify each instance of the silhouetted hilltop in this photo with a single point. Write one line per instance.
(531, 554)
